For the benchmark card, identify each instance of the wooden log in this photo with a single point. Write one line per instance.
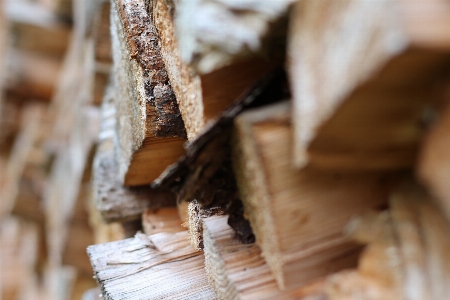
(297, 215)
(163, 265)
(416, 234)
(202, 98)
(35, 29)
(71, 165)
(239, 271)
(62, 8)
(102, 33)
(150, 130)
(23, 145)
(115, 202)
(32, 75)
(350, 71)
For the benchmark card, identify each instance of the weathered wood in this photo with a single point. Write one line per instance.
(202, 98)
(114, 201)
(32, 75)
(62, 8)
(406, 253)
(160, 266)
(297, 215)
(367, 61)
(224, 31)
(205, 173)
(150, 130)
(66, 176)
(36, 29)
(31, 119)
(239, 271)
(161, 220)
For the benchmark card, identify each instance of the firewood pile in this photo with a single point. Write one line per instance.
(224, 149)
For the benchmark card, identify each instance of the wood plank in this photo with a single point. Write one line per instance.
(158, 266)
(202, 98)
(239, 271)
(115, 202)
(297, 216)
(150, 130)
(358, 70)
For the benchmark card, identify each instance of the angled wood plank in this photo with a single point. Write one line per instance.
(239, 271)
(158, 266)
(367, 61)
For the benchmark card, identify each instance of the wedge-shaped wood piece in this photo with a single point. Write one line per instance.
(239, 271)
(115, 202)
(297, 215)
(150, 129)
(406, 251)
(203, 97)
(159, 266)
(367, 61)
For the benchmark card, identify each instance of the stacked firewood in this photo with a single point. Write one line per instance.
(226, 149)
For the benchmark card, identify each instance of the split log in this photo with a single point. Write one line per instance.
(62, 8)
(115, 202)
(150, 130)
(202, 98)
(297, 215)
(205, 173)
(163, 265)
(35, 29)
(367, 61)
(239, 271)
(406, 253)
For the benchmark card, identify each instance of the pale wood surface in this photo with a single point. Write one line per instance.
(161, 220)
(224, 31)
(297, 215)
(160, 266)
(239, 271)
(367, 61)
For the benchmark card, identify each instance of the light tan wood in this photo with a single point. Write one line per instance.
(159, 266)
(297, 216)
(32, 75)
(70, 167)
(150, 131)
(406, 253)
(34, 28)
(367, 61)
(239, 271)
(161, 220)
(204, 97)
